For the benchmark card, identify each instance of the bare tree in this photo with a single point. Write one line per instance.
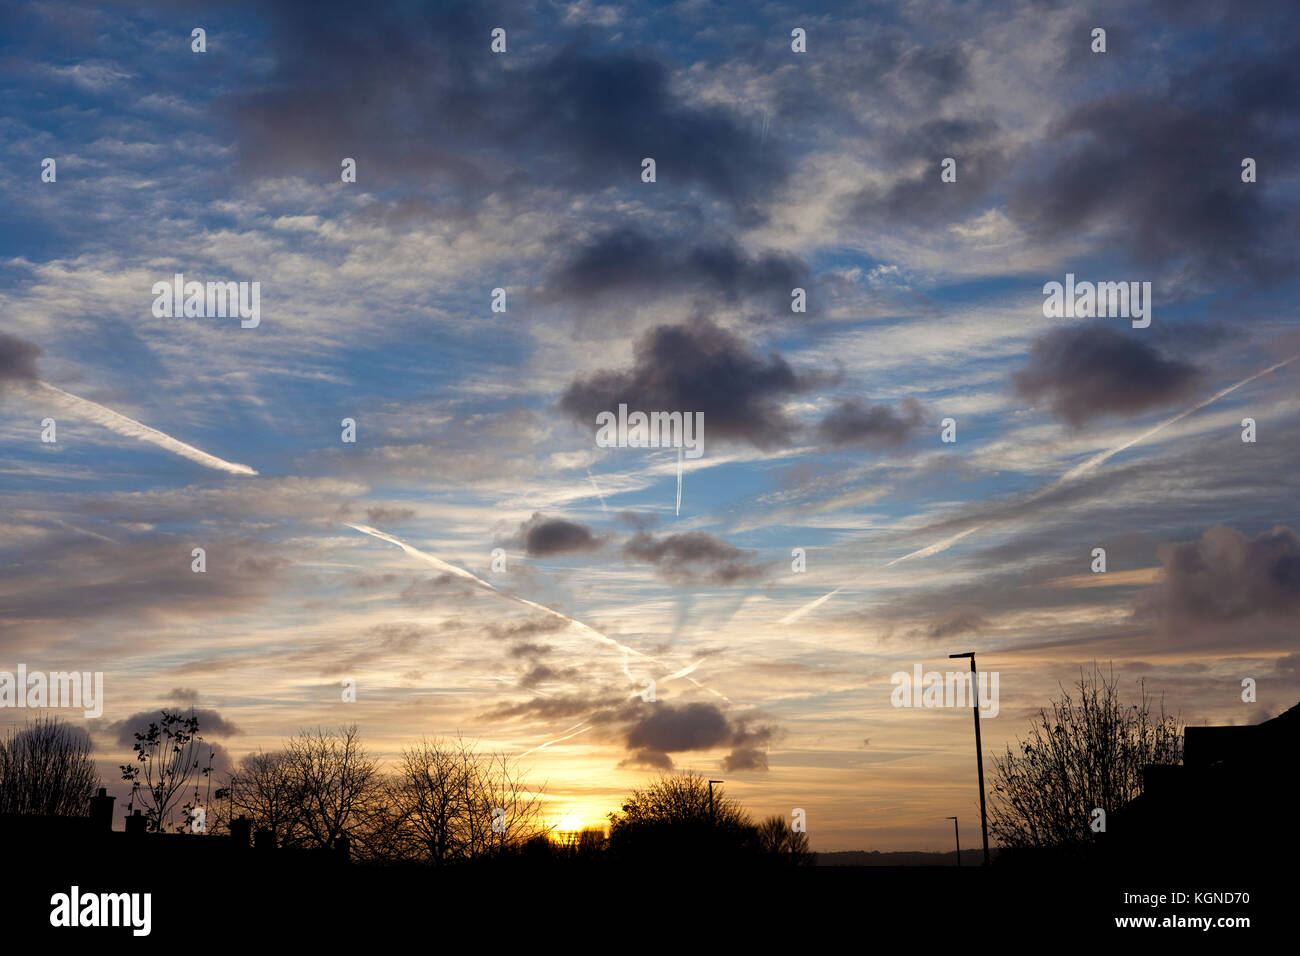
(775, 838)
(450, 802)
(46, 768)
(170, 754)
(430, 793)
(1089, 754)
(338, 787)
(513, 810)
(265, 789)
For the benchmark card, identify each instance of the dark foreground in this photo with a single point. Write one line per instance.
(237, 900)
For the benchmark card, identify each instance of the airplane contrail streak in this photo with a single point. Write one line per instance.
(1078, 471)
(113, 421)
(555, 741)
(573, 622)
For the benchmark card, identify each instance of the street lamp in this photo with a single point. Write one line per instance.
(979, 750)
(956, 836)
(712, 819)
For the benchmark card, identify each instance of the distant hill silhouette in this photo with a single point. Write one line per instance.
(972, 857)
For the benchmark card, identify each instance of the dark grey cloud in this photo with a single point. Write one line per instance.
(687, 727)
(647, 760)
(211, 724)
(1089, 371)
(670, 729)
(692, 557)
(184, 695)
(414, 94)
(541, 674)
(1159, 172)
(1226, 576)
(68, 577)
(748, 747)
(527, 628)
(629, 260)
(652, 732)
(529, 649)
(961, 622)
(543, 537)
(382, 515)
(18, 359)
(641, 522)
(854, 422)
(699, 367)
(923, 198)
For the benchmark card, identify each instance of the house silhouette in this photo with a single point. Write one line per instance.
(1232, 797)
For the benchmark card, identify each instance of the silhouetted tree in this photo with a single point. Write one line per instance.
(443, 798)
(672, 818)
(780, 842)
(46, 768)
(170, 754)
(337, 786)
(1087, 755)
(265, 789)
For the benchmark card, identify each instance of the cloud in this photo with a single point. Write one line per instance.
(488, 124)
(382, 515)
(18, 359)
(698, 367)
(545, 537)
(1160, 172)
(1086, 372)
(962, 622)
(211, 724)
(854, 422)
(628, 260)
(1227, 577)
(689, 727)
(920, 197)
(693, 556)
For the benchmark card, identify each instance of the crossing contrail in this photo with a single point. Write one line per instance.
(1078, 471)
(555, 741)
(93, 411)
(584, 629)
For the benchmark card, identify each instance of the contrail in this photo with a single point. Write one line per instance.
(592, 479)
(684, 672)
(573, 622)
(1092, 464)
(679, 481)
(111, 420)
(462, 573)
(555, 741)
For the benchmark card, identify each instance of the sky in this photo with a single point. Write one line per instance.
(371, 561)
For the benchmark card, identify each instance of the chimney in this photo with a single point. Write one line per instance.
(264, 839)
(135, 824)
(240, 829)
(101, 811)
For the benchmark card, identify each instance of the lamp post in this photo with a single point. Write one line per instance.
(956, 836)
(979, 750)
(712, 818)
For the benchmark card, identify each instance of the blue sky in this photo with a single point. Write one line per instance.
(775, 170)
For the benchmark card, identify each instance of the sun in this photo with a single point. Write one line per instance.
(570, 822)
